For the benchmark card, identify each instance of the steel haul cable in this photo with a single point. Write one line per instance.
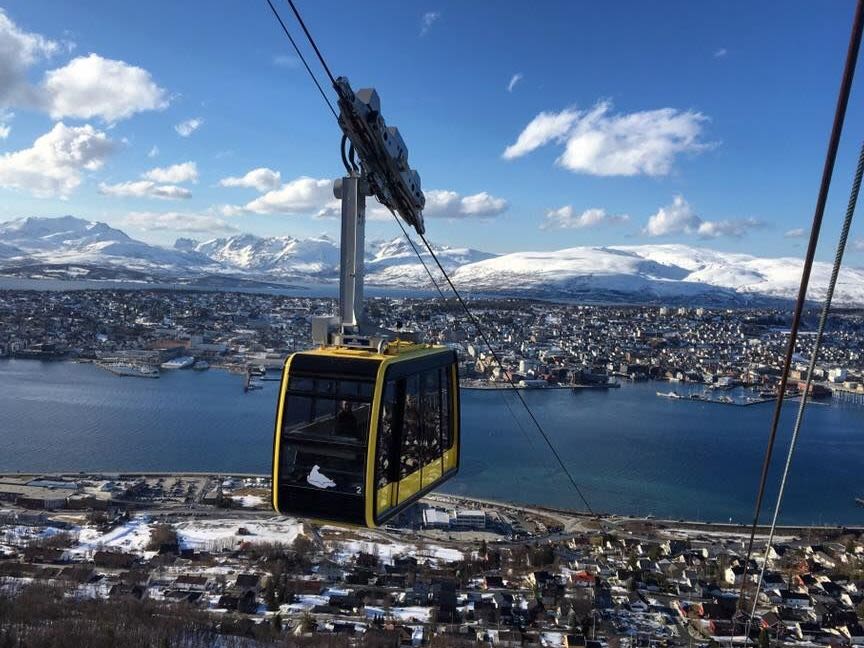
(488, 344)
(827, 172)
(823, 319)
(432, 253)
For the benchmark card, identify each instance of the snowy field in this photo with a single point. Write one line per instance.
(219, 534)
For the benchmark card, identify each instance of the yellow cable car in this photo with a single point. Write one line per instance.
(361, 435)
(367, 423)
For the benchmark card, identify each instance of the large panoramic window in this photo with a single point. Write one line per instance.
(324, 432)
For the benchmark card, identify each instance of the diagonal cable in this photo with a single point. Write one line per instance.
(823, 319)
(509, 379)
(827, 173)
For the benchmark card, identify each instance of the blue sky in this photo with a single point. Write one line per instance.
(628, 123)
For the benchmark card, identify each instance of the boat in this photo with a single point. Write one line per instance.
(133, 370)
(671, 394)
(201, 365)
(183, 362)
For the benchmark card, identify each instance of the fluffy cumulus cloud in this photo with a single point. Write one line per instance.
(18, 51)
(680, 218)
(54, 165)
(568, 218)
(516, 78)
(858, 245)
(798, 232)
(301, 196)
(174, 174)
(450, 204)
(599, 142)
(261, 179)
(189, 126)
(178, 222)
(92, 86)
(144, 189)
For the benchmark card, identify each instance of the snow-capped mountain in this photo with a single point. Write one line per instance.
(626, 273)
(283, 256)
(655, 272)
(70, 240)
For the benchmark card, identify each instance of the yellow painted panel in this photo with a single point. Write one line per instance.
(431, 472)
(409, 486)
(451, 458)
(274, 487)
(385, 498)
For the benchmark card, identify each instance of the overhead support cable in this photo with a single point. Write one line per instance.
(827, 173)
(521, 398)
(814, 356)
(303, 58)
(312, 42)
(444, 299)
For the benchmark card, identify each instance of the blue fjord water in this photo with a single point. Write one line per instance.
(631, 452)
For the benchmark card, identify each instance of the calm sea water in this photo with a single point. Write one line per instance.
(630, 451)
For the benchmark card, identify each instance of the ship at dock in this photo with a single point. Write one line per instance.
(183, 362)
(131, 370)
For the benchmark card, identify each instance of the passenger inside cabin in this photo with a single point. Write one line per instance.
(346, 421)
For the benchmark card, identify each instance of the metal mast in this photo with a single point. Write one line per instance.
(384, 173)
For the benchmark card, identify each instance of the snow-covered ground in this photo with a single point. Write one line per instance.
(249, 501)
(218, 534)
(131, 537)
(387, 551)
(414, 613)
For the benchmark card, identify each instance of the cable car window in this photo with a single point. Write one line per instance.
(431, 396)
(446, 436)
(410, 452)
(299, 383)
(384, 454)
(325, 438)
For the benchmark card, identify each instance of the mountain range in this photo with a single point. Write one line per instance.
(74, 247)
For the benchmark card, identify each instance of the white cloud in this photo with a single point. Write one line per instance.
(178, 222)
(174, 174)
(53, 166)
(858, 245)
(567, 218)
(735, 227)
(449, 204)
(92, 86)
(429, 19)
(18, 51)
(798, 232)
(679, 218)
(516, 78)
(544, 128)
(720, 53)
(303, 195)
(262, 179)
(600, 143)
(189, 126)
(144, 189)
(153, 152)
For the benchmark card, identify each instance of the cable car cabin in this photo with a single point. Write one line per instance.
(362, 435)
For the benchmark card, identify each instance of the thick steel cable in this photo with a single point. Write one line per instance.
(303, 59)
(814, 356)
(444, 299)
(827, 172)
(509, 379)
(312, 41)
